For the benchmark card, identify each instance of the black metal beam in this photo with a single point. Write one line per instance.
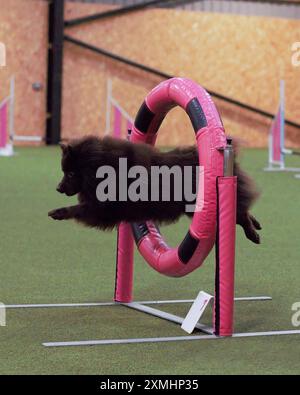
(118, 58)
(55, 71)
(114, 12)
(272, 2)
(162, 74)
(151, 3)
(279, 2)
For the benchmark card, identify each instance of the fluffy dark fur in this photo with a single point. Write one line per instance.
(82, 158)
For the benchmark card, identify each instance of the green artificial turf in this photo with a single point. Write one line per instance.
(44, 261)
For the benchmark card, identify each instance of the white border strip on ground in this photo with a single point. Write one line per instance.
(58, 305)
(282, 170)
(28, 138)
(167, 339)
(292, 169)
(96, 304)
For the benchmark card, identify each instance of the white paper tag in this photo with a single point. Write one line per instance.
(196, 311)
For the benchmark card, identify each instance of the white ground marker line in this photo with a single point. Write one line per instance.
(58, 305)
(167, 339)
(96, 304)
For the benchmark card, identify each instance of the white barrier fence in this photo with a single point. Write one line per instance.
(277, 149)
(7, 126)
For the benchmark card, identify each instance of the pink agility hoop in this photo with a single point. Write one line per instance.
(211, 141)
(216, 204)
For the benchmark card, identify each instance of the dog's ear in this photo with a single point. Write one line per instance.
(66, 148)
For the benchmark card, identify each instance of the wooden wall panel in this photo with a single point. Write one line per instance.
(23, 29)
(241, 57)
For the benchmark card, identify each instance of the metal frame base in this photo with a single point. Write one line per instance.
(166, 339)
(99, 304)
(143, 307)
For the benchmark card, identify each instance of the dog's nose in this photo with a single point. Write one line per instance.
(59, 189)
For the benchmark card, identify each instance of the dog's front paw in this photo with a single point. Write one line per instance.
(59, 214)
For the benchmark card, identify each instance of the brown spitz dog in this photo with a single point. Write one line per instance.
(82, 158)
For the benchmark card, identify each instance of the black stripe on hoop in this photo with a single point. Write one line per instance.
(139, 231)
(187, 248)
(144, 118)
(196, 114)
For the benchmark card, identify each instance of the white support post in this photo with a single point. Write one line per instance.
(282, 124)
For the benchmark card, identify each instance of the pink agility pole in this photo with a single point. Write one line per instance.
(3, 125)
(124, 271)
(225, 254)
(201, 237)
(117, 122)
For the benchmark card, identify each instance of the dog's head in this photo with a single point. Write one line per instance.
(71, 183)
(81, 159)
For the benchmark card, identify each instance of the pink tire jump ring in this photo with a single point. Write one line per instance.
(211, 140)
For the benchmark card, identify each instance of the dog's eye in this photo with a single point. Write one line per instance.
(70, 174)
